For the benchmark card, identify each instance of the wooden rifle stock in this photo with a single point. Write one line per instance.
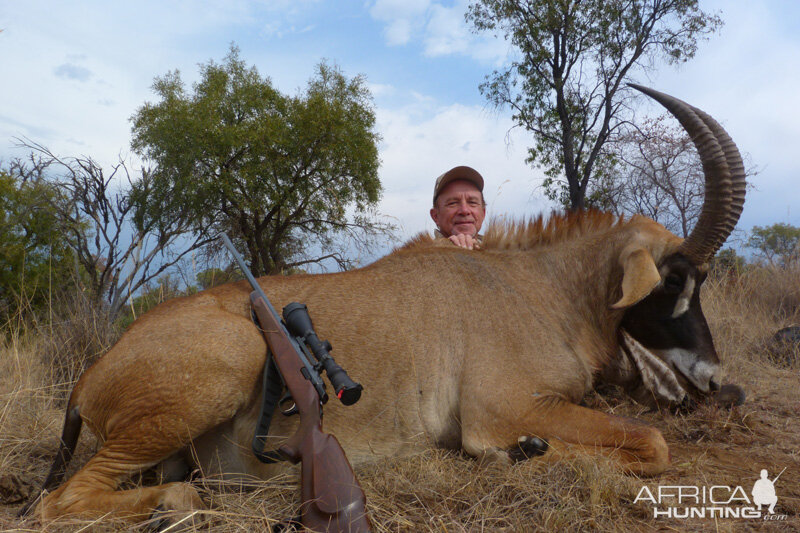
(332, 499)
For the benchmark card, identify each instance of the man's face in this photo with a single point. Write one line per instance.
(459, 209)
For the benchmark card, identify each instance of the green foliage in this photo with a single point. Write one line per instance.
(212, 277)
(33, 256)
(727, 261)
(168, 286)
(279, 173)
(572, 58)
(779, 243)
(153, 293)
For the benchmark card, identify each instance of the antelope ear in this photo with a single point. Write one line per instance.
(640, 277)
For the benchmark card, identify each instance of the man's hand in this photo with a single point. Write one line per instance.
(465, 241)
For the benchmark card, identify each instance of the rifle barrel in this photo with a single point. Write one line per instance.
(314, 376)
(247, 274)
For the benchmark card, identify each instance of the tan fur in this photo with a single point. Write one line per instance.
(454, 348)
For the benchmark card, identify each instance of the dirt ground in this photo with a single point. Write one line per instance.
(446, 491)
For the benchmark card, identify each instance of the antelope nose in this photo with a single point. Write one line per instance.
(713, 385)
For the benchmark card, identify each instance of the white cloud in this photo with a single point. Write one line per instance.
(280, 29)
(398, 32)
(446, 31)
(403, 18)
(381, 89)
(388, 10)
(286, 17)
(440, 29)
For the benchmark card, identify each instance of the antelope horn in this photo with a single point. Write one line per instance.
(724, 172)
(738, 181)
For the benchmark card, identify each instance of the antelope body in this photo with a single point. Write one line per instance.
(455, 348)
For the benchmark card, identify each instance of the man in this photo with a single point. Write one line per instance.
(458, 206)
(764, 491)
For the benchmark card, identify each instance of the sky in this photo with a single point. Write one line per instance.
(75, 72)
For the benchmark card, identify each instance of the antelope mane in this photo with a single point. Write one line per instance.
(536, 231)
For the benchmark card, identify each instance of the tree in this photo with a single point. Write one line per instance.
(566, 84)
(33, 255)
(117, 236)
(727, 261)
(211, 277)
(779, 243)
(285, 175)
(657, 173)
(151, 294)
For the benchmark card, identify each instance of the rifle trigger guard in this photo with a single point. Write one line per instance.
(293, 410)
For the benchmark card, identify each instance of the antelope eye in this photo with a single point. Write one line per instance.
(673, 283)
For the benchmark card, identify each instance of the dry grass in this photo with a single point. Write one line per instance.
(441, 491)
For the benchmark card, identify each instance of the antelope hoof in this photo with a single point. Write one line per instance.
(686, 406)
(167, 520)
(158, 521)
(180, 509)
(288, 525)
(729, 395)
(527, 447)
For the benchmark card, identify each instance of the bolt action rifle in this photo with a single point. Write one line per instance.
(332, 499)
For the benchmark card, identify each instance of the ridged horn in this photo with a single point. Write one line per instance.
(738, 180)
(724, 172)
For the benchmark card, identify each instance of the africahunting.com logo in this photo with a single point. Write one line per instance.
(716, 501)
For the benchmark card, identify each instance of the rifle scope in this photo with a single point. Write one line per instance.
(298, 322)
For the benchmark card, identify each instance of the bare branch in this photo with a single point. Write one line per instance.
(96, 210)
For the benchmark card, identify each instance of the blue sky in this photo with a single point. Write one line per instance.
(74, 72)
